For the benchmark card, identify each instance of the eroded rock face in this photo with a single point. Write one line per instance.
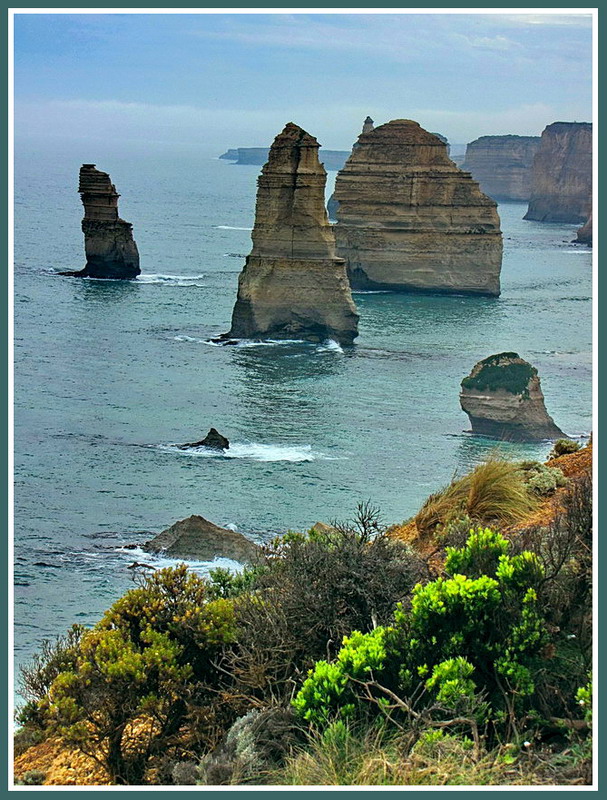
(293, 285)
(410, 220)
(197, 538)
(584, 234)
(502, 165)
(561, 185)
(503, 399)
(109, 246)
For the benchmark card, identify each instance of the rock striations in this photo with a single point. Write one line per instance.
(410, 220)
(503, 400)
(292, 284)
(502, 165)
(109, 246)
(561, 188)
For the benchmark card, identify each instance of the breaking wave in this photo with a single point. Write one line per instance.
(253, 451)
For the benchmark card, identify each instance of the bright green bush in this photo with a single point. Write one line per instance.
(461, 635)
(480, 556)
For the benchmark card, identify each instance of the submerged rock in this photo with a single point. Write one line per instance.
(197, 538)
(293, 285)
(109, 246)
(561, 188)
(213, 439)
(503, 399)
(409, 220)
(502, 165)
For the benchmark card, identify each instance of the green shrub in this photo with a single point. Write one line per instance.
(33, 777)
(493, 375)
(564, 447)
(462, 635)
(136, 670)
(540, 479)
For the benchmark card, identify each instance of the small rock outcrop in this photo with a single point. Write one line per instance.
(213, 439)
(584, 234)
(503, 399)
(109, 246)
(502, 165)
(197, 538)
(561, 184)
(410, 220)
(292, 284)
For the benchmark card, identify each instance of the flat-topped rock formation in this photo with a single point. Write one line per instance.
(584, 234)
(410, 220)
(503, 399)
(197, 538)
(331, 159)
(109, 246)
(293, 285)
(561, 184)
(502, 165)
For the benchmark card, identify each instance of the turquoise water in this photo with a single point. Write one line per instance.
(109, 375)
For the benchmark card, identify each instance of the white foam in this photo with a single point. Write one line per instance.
(253, 451)
(330, 346)
(181, 338)
(157, 279)
(231, 228)
(160, 561)
(242, 343)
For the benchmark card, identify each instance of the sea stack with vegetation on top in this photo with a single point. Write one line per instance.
(503, 399)
(293, 285)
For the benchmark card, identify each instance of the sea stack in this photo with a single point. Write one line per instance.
(502, 165)
(561, 185)
(503, 400)
(293, 285)
(409, 220)
(109, 246)
(584, 234)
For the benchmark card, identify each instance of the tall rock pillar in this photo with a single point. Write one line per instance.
(293, 285)
(109, 246)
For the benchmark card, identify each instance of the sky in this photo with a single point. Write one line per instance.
(224, 80)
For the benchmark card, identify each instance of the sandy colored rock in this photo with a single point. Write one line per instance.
(561, 187)
(584, 234)
(410, 220)
(502, 165)
(196, 537)
(503, 399)
(293, 285)
(109, 246)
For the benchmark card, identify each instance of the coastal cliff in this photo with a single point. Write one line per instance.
(409, 220)
(502, 165)
(584, 234)
(293, 285)
(503, 399)
(109, 246)
(561, 185)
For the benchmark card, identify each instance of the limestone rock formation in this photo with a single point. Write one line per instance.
(197, 538)
(584, 234)
(503, 399)
(293, 285)
(410, 220)
(502, 165)
(213, 439)
(561, 185)
(109, 246)
(332, 160)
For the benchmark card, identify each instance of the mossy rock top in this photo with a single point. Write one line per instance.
(506, 371)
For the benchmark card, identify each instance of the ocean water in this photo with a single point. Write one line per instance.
(110, 376)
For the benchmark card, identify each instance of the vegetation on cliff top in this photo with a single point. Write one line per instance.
(493, 375)
(344, 656)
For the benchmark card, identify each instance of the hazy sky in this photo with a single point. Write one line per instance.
(228, 80)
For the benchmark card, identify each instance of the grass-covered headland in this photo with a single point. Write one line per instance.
(454, 648)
